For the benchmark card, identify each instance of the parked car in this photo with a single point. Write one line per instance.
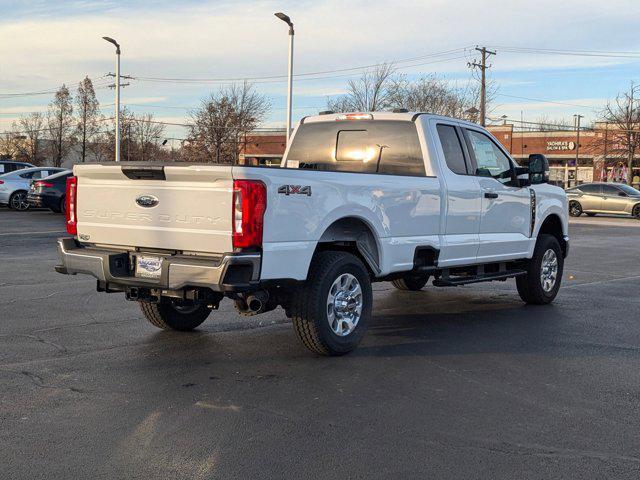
(594, 198)
(401, 197)
(7, 166)
(49, 192)
(15, 185)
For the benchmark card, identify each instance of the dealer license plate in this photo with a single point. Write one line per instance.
(148, 266)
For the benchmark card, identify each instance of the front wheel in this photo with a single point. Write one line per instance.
(544, 273)
(332, 310)
(172, 314)
(636, 211)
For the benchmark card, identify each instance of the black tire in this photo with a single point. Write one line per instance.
(575, 209)
(172, 315)
(18, 201)
(636, 211)
(411, 282)
(310, 307)
(589, 214)
(60, 208)
(530, 286)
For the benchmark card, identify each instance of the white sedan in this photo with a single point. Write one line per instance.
(15, 185)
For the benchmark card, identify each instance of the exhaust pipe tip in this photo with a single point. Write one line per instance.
(255, 304)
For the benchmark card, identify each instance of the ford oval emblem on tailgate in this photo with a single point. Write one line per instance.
(147, 201)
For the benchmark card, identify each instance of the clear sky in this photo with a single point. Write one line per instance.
(176, 50)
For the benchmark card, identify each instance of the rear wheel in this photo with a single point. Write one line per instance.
(172, 314)
(18, 201)
(60, 207)
(636, 211)
(411, 282)
(332, 310)
(575, 209)
(544, 272)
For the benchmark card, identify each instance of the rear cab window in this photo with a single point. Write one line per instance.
(359, 146)
(452, 149)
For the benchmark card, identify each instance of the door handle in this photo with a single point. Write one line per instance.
(490, 195)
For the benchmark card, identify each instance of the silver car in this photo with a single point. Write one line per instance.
(15, 185)
(615, 198)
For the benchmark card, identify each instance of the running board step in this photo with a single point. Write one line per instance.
(487, 277)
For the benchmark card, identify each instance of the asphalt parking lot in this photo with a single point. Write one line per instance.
(449, 383)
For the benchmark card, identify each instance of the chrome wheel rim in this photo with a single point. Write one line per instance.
(549, 270)
(19, 201)
(574, 210)
(344, 304)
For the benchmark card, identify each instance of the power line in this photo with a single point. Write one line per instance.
(543, 101)
(581, 53)
(299, 75)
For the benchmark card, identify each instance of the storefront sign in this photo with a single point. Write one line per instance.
(560, 145)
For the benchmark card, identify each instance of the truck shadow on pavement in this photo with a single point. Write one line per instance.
(459, 324)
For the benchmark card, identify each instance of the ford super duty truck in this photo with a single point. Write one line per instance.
(363, 197)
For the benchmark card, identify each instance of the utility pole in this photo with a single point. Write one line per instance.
(577, 120)
(483, 80)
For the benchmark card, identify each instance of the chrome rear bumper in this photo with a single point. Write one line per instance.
(227, 272)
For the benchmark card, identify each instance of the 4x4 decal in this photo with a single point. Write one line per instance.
(295, 190)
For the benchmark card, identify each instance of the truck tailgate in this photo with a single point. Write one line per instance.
(174, 207)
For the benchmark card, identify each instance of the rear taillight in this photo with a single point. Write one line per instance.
(249, 205)
(1, 182)
(42, 184)
(70, 205)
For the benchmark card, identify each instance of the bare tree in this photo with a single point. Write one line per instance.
(87, 108)
(546, 124)
(431, 94)
(60, 125)
(220, 125)
(32, 127)
(147, 134)
(371, 92)
(621, 138)
(23, 141)
(105, 148)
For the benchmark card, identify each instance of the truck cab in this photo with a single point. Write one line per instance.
(360, 197)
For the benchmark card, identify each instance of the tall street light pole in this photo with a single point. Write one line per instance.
(577, 119)
(287, 20)
(117, 112)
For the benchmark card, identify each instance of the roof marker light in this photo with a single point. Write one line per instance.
(355, 116)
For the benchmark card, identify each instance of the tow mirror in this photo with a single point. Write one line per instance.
(538, 169)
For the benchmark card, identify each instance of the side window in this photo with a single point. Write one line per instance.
(590, 189)
(452, 148)
(610, 190)
(2, 170)
(28, 175)
(401, 153)
(490, 160)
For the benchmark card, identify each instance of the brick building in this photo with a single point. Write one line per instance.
(264, 148)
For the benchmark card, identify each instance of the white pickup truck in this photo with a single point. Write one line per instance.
(401, 197)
